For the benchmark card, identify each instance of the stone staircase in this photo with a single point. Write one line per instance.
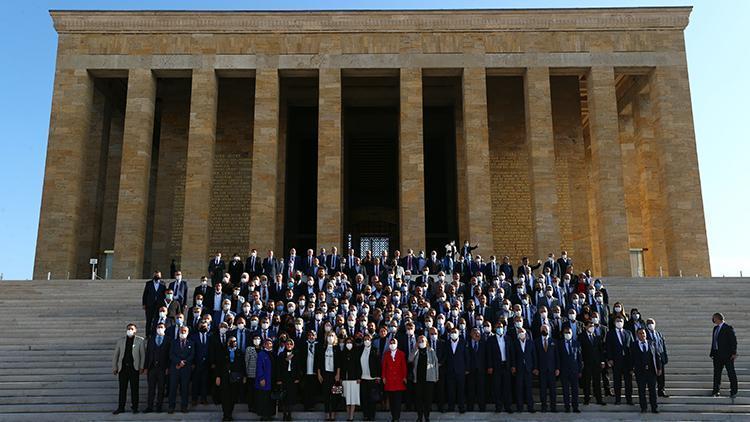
(57, 340)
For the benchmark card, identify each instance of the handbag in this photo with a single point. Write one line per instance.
(337, 389)
(376, 393)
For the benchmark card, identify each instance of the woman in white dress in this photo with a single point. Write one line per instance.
(351, 371)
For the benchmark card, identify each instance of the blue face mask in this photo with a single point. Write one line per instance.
(499, 331)
(279, 308)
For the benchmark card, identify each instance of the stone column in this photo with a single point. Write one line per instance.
(606, 172)
(330, 160)
(476, 161)
(70, 121)
(541, 143)
(263, 196)
(199, 173)
(685, 225)
(411, 162)
(132, 204)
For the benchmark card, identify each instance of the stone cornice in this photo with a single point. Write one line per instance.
(371, 21)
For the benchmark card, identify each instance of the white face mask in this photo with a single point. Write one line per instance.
(222, 330)
(162, 314)
(590, 329)
(226, 307)
(618, 324)
(331, 339)
(160, 331)
(519, 324)
(454, 336)
(651, 327)
(130, 333)
(256, 342)
(410, 332)
(393, 347)
(595, 320)
(241, 326)
(368, 343)
(264, 326)
(568, 336)
(183, 336)
(298, 326)
(349, 346)
(422, 344)
(522, 336)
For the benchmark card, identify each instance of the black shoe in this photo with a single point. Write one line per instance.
(585, 402)
(732, 396)
(225, 418)
(663, 394)
(135, 410)
(118, 411)
(170, 411)
(567, 410)
(630, 402)
(643, 410)
(544, 410)
(148, 410)
(601, 403)
(158, 410)
(532, 411)
(715, 394)
(654, 410)
(184, 410)
(554, 410)
(576, 410)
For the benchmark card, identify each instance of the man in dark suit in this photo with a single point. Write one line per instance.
(333, 261)
(179, 289)
(235, 269)
(660, 345)
(202, 289)
(153, 296)
(723, 353)
(475, 381)
(202, 341)
(456, 369)
(554, 267)
(571, 364)
(157, 362)
(564, 262)
(253, 264)
(307, 265)
(548, 368)
(292, 264)
(592, 346)
(500, 358)
(524, 365)
(181, 355)
(358, 268)
(409, 261)
(619, 343)
(647, 366)
(272, 266)
(230, 375)
(216, 268)
(438, 344)
(507, 269)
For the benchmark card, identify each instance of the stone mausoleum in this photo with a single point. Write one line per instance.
(174, 135)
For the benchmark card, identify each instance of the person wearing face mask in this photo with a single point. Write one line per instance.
(180, 288)
(351, 371)
(202, 341)
(153, 297)
(723, 352)
(157, 362)
(287, 375)
(217, 343)
(264, 381)
(128, 361)
(618, 343)
(394, 375)
(235, 268)
(328, 370)
(230, 376)
(181, 357)
(660, 345)
(524, 365)
(618, 309)
(216, 268)
(202, 289)
(424, 375)
(475, 380)
(369, 384)
(593, 354)
(251, 362)
(571, 366)
(499, 362)
(456, 369)
(548, 368)
(647, 366)
(635, 322)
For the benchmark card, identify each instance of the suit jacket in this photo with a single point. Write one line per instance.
(320, 357)
(494, 355)
(593, 349)
(225, 366)
(645, 362)
(553, 266)
(571, 362)
(151, 296)
(236, 268)
(157, 357)
(292, 263)
(477, 358)
(202, 290)
(139, 353)
(216, 270)
(726, 342)
(272, 267)
(456, 363)
(201, 349)
(179, 353)
(548, 361)
(253, 268)
(524, 359)
(288, 371)
(616, 351)
(563, 264)
(333, 263)
(181, 293)
(306, 263)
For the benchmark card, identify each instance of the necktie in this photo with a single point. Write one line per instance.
(619, 335)
(203, 339)
(567, 346)
(159, 340)
(476, 346)
(643, 347)
(716, 337)
(545, 344)
(182, 344)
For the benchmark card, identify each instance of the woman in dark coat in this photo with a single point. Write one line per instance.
(369, 362)
(351, 371)
(328, 369)
(287, 376)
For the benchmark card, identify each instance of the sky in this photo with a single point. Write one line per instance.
(718, 60)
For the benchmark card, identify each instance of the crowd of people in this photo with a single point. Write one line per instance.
(417, 332)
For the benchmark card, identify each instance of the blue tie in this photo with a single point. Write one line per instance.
(159, 339)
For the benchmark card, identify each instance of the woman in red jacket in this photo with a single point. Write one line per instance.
(394, 377)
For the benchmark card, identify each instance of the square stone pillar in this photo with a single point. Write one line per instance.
(199, 173)
(264, 192)
(411, 162)
(685, 225)
(606, 173)
(330, 161)
(70, 122)
(132, 204)
(476, 161)
(541, 143)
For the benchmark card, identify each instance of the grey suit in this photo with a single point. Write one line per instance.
(139, 353)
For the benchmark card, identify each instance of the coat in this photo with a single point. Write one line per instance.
(432, 365)
(394, 371)
(139, 353)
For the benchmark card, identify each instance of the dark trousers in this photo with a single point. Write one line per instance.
(439, 392)
(719, 366)
(502, 387)
(200, 382)
(475, 389)
(660, 380)
(646, 379)
(548, 389)
(150, 316)
(456, 391)
(620, 371)
(394, 403)
(523, 390)
(128, 375)
(157, 382)
(179, 378)
(263, 404)
(605, 381)
(250, 394)
(591, 379)
(329, 378)
(570, 389)
(311, 388)
(229, 393)
(365, 398)
(423, 398)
